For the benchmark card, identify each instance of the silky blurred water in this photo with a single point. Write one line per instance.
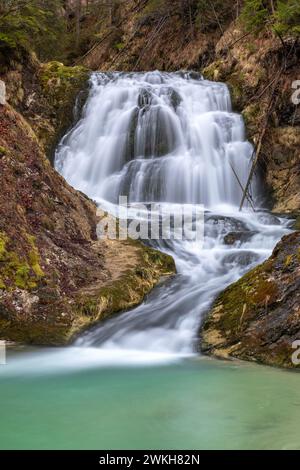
(172, 139)
(137, 381)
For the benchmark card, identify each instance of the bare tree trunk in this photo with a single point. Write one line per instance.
(111, 12)
(191, 20)
(78, 15)
(237, 9)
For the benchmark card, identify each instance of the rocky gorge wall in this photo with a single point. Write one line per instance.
(56, 277)
(256, 318)
(259, 68)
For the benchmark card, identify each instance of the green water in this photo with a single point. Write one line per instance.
(193, 403)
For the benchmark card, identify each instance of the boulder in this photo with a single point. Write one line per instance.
(258, 317)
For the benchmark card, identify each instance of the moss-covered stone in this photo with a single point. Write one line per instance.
(212, 71)
(63, 318)
(21, 271)
(126, 292)
(257, 317)
(296, 225)
(60, 86)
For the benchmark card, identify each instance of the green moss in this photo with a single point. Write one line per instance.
(34, 257)
(212, 71)
(251, 114)
(60, 86)
(16, 271)
(119, 46)
(244, 298)
(288, 260)
(296, 225)
(22, 276)
(61, 75)
(3, 151)
(3, 241)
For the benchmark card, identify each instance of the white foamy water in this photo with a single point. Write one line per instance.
(169, 138)
(157, 137)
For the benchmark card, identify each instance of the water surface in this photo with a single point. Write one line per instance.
(192, 403)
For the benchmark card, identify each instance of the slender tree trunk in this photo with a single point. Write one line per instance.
(111, 12)
(191, 20)
(237, 9)
(78, 15)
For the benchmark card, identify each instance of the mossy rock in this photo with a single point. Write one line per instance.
(257, 317)
(296, 225)
(19, 271)
(63, 317)
(60, 85)
(213, 71)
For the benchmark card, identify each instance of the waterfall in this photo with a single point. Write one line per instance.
(141, 133)
(169, 138)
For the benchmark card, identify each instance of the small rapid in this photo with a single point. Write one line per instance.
(170, 138)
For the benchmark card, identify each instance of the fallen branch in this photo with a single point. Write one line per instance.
(123, 51)
(242, 188)
(136, 9)
(154, 33)
(257, 151)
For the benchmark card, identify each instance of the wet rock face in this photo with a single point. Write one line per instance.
(258, 317)
(229, 226)
(233, 238)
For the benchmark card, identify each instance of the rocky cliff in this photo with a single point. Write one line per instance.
(56, 278)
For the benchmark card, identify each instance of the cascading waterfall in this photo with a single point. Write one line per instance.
(169, 138)
(141, 133)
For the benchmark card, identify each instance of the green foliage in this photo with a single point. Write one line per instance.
(36, 24)
(15, 271)
(255, 14)
(282, 16)
(287, 17)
